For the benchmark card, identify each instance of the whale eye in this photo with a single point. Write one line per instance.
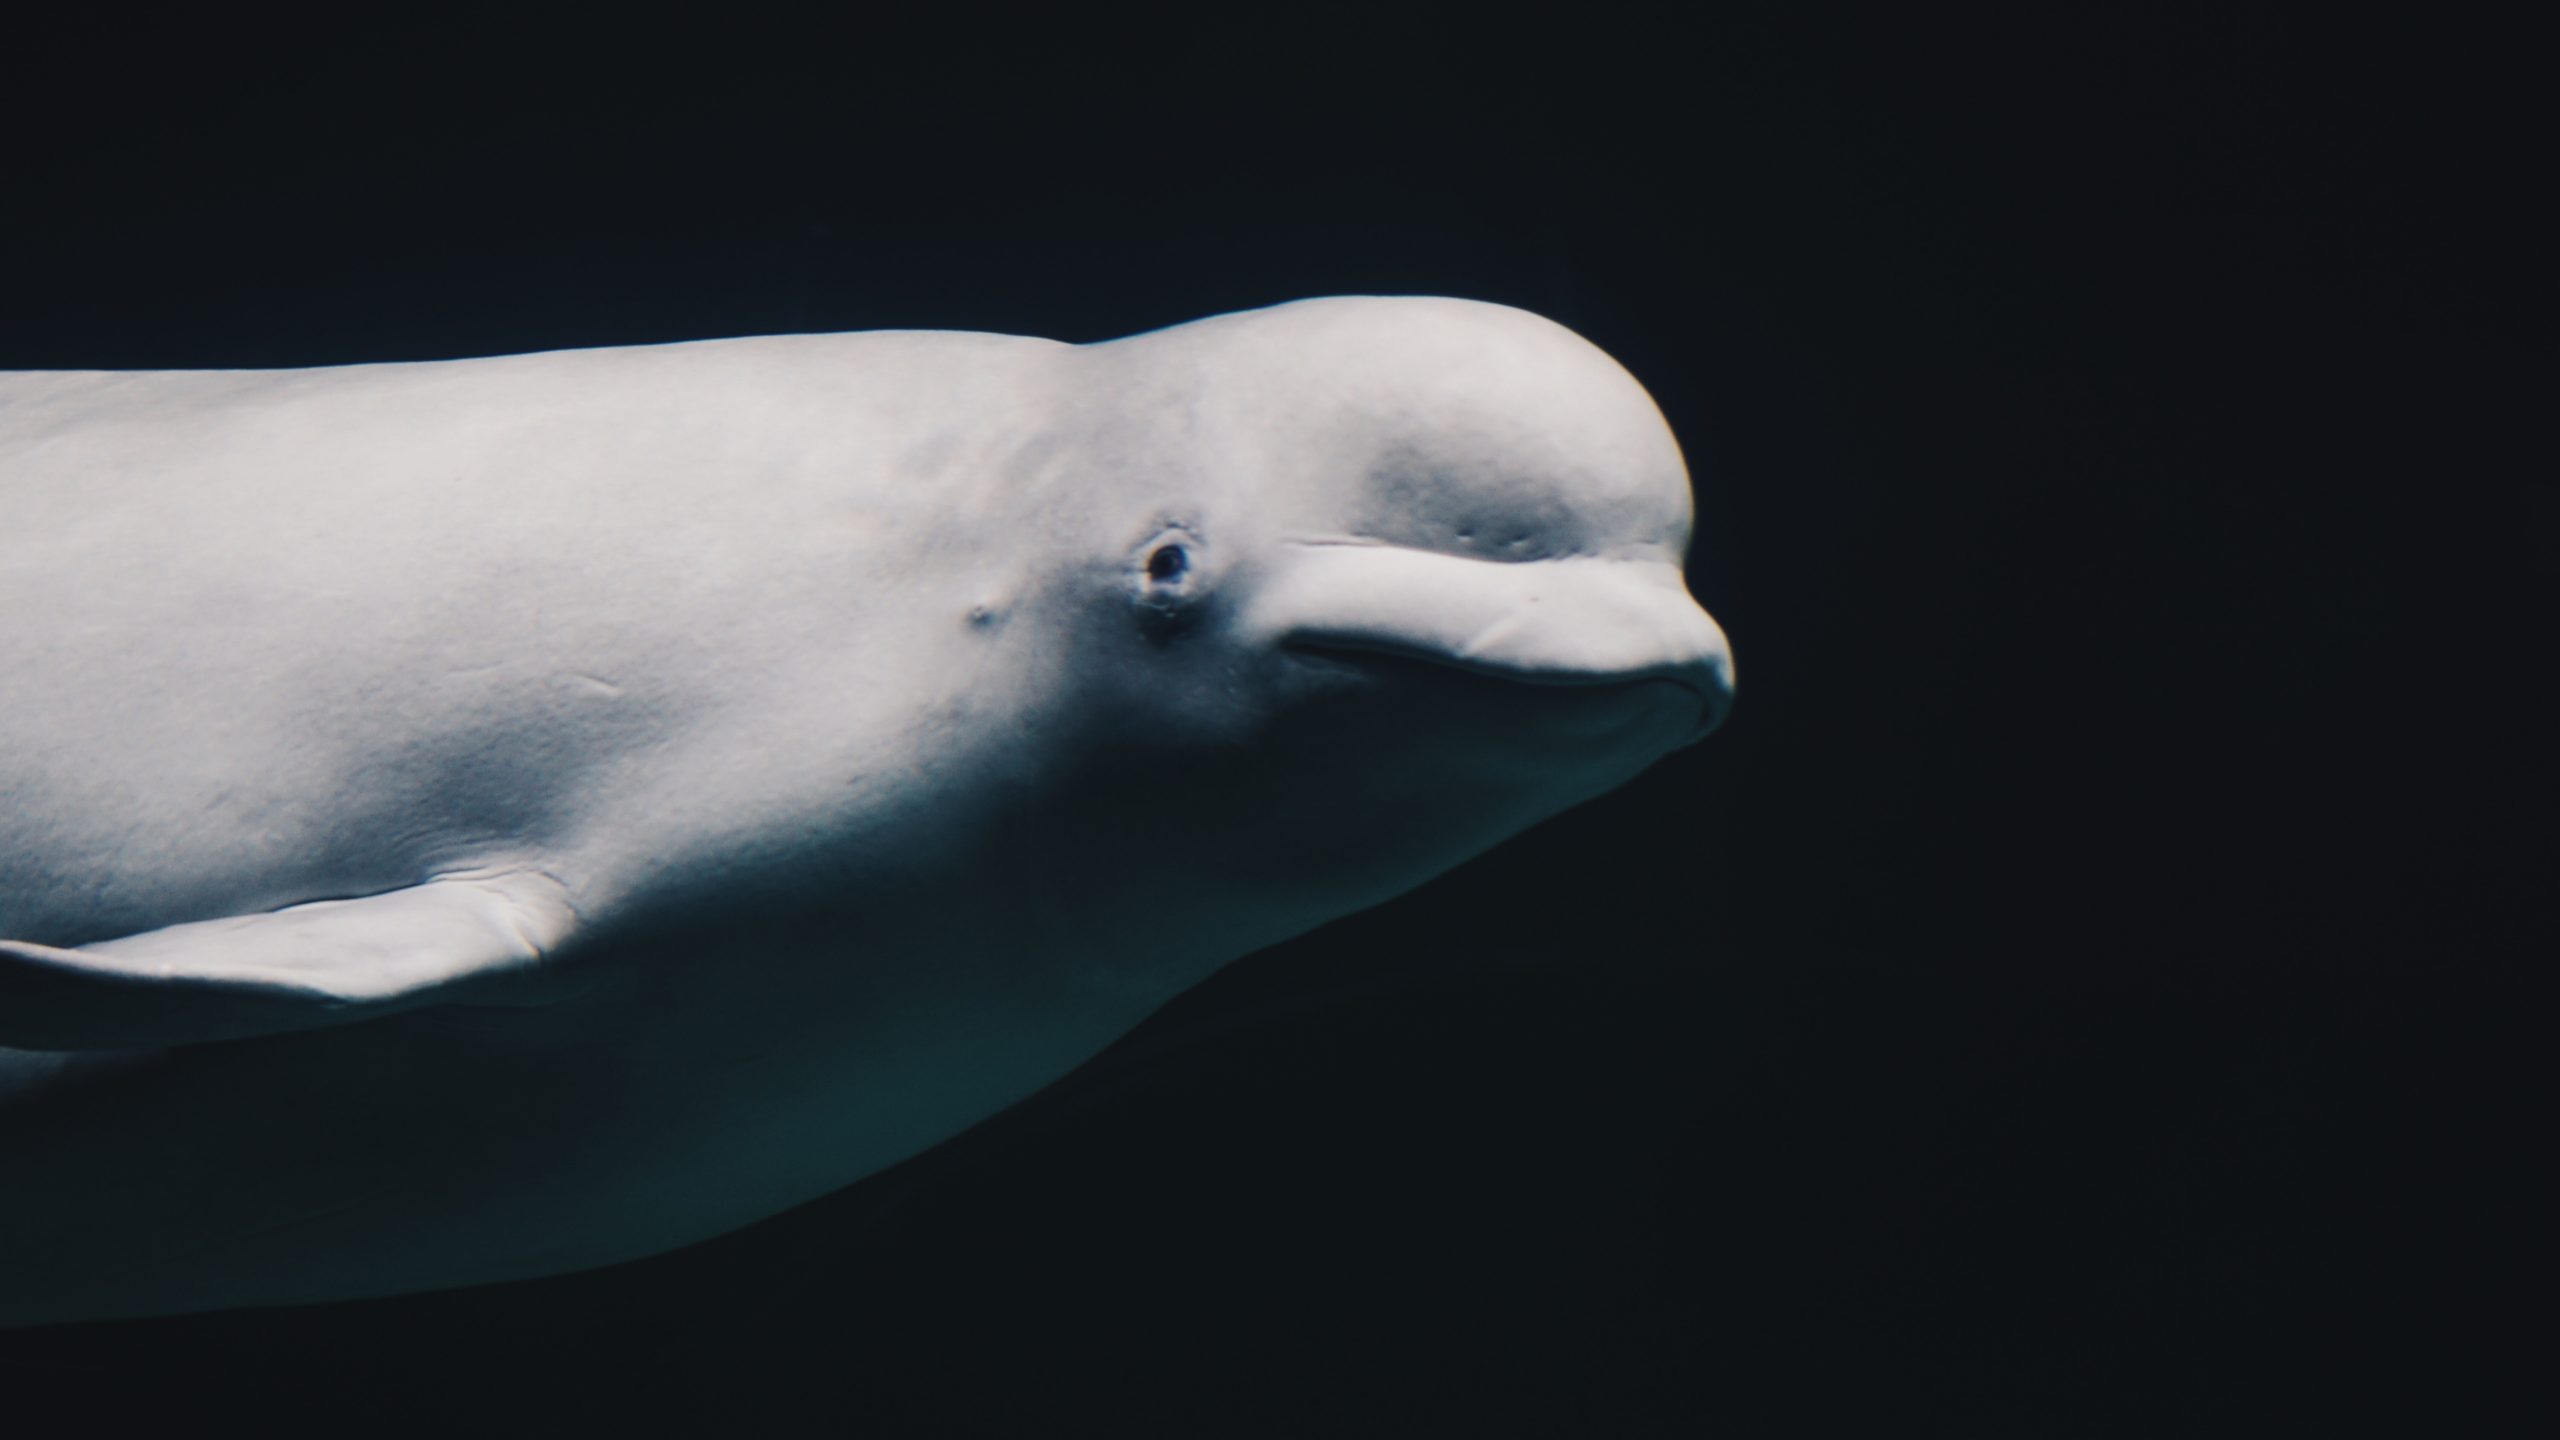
(1168, 586)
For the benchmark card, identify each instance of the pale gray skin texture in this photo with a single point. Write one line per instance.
(767, 757)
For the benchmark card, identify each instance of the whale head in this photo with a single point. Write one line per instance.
(1377, 583)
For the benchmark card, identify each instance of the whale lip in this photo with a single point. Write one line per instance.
(1698, 678)
(1590, 622)
(1703, 680)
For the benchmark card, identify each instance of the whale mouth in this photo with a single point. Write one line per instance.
(1697, 686)
(1588, 624)
(1698, 680)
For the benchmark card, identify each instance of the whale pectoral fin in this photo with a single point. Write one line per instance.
(479, 939)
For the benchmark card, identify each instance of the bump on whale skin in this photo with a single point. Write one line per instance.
(479, 819)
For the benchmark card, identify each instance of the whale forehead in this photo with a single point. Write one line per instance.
(1452, 425)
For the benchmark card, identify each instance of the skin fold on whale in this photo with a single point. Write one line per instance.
(471, 820)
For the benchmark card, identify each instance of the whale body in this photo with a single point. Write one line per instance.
(479, 819)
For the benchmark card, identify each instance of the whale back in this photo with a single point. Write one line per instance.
(278, 636)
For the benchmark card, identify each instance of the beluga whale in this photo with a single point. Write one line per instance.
(470, 820)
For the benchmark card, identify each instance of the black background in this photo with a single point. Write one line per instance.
(2075, 994)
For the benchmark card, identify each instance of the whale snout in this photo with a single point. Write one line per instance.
(1590, 620)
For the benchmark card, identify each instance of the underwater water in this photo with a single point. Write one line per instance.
(2076, 993)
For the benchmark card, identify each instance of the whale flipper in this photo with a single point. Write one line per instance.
(477, 937)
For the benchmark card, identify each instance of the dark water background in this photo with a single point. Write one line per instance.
(2078, 993)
